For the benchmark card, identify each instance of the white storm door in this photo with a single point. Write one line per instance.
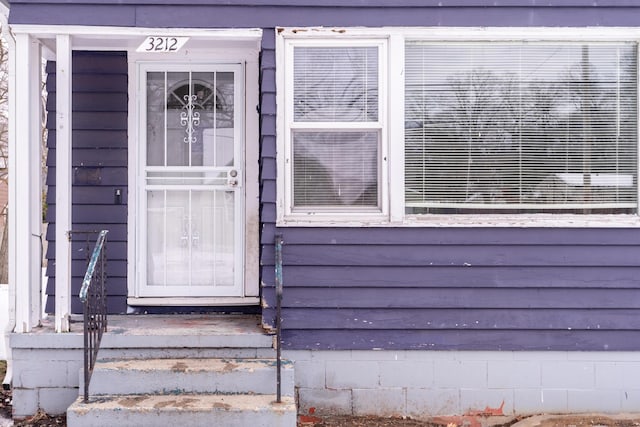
(192, 176)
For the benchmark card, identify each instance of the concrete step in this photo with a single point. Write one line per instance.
(187, 352)
(186, 332)
(178, 376)
(183, 409)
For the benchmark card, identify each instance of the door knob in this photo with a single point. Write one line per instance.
(232, 180)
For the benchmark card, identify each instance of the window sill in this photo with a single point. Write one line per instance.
(334, 220)
(527, 220)
(460, 220)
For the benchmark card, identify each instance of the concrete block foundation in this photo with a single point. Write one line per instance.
(419, 384)
(423, 384)
(45, 378)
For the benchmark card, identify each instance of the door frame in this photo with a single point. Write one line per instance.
(245, 53)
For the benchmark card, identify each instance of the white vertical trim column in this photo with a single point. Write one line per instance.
(11, 219)
(24, 177)
(63, 182)
(132, 201)
(250, 165)
(396, 128)
(35, 182)
(19, 184)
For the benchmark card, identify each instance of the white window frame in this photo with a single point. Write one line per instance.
(286, 126)
(392, 104)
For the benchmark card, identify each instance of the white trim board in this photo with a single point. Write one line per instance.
(197, 302)
(127, 38)
(467, 33)
(64, 221)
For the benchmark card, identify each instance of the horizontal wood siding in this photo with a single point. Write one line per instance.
(267, 177)
(359, 288)
(368, 13)
(471, 288)
(446, 288)
(99, 161)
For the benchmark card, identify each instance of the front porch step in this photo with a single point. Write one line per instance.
(187, 410)
(191, 370)
(186, 336)
(178, 376)
(180, 332)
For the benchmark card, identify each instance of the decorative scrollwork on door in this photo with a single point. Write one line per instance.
(190, 118)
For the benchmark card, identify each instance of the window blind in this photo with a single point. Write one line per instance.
(335, 168)
(335, 84)
(335, 142)
(531, 127)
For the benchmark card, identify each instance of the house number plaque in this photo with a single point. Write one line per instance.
(162, 44)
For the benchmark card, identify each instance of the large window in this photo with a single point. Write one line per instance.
(520, 127)
(460, 127)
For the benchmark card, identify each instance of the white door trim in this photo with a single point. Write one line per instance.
(216, 54)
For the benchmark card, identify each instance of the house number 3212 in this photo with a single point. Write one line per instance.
(162, 44)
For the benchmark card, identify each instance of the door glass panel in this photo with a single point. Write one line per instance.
(218, 128)
(212, 238)
(192, 184)
(190, 238)
(156, 109)
(168, 238)
(181, 119)
(190, 119)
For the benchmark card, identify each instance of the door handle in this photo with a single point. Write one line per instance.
(232, 180)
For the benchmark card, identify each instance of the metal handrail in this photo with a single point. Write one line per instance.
(94, 298)
(279, 287)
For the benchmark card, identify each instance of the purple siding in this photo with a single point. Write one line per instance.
(357, 288)
(265, 14)
(99, 156)
(466, 288)
(446, 288)
(267, 177)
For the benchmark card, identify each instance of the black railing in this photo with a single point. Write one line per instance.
(93, 296)
(279, 286)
